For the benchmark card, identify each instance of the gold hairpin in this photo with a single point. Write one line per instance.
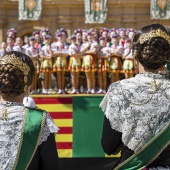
(154, 33)
(15, 61)
(135, 53)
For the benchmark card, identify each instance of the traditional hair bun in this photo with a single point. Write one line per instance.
(14, 78)
(152, 50)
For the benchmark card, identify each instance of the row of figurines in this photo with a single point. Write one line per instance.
(64, 82)
(87, 63)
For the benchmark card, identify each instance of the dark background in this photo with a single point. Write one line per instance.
(87, 163)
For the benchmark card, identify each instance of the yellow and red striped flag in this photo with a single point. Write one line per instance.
(60, 110)
(80, 121)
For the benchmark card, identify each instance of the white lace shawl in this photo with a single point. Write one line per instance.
(10, 132)
(138, 123)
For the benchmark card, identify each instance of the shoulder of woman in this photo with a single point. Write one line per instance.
(115, 89)
(49, 127)
(48, 120)
(38, 109)
(114, 86)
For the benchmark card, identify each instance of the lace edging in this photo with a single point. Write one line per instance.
(49, 127)
(137, 124)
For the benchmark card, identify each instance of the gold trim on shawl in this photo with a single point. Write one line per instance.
(150, 142)
(21, 140)
(39, 137)
(162, 148)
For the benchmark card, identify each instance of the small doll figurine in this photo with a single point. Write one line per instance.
(60, 52)
(104, 32)
(26, 41)
(64, 35)
(54, 43)
(32, 53)
(95, 35)
(74, 64)
(128, 64)
(84, 36)
(3, 48)
(115, 64)
(43, 34)
(81, 37)
(12, 33)
(37, 44)
(88, 50)
(122, 36)
(46, 64)
(18, 45)
(111, 32)
(10, 44)
(103, 65)
(78, 34)
(130, 33)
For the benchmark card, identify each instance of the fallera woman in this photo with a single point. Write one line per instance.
(137, 110)
(27, 138)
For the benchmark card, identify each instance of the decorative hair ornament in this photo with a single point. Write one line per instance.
(154, 33)
(162, 69)
(15, 61)
(25, 88)
(135, 53)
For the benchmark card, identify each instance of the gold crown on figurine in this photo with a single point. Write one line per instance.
(154, 33)
(15, 61)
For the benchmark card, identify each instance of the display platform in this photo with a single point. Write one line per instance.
(80, 121)
(79, 139)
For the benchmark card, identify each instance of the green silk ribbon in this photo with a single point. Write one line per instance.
(32, 130)
(149, 152)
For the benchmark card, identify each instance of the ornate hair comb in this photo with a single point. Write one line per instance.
(154, 33)
(15, 61)
(135, 53)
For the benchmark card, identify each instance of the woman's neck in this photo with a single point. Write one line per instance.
(151, 71)
(145, 70)
(17, 99)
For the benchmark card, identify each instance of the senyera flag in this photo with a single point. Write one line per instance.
(80, 121)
